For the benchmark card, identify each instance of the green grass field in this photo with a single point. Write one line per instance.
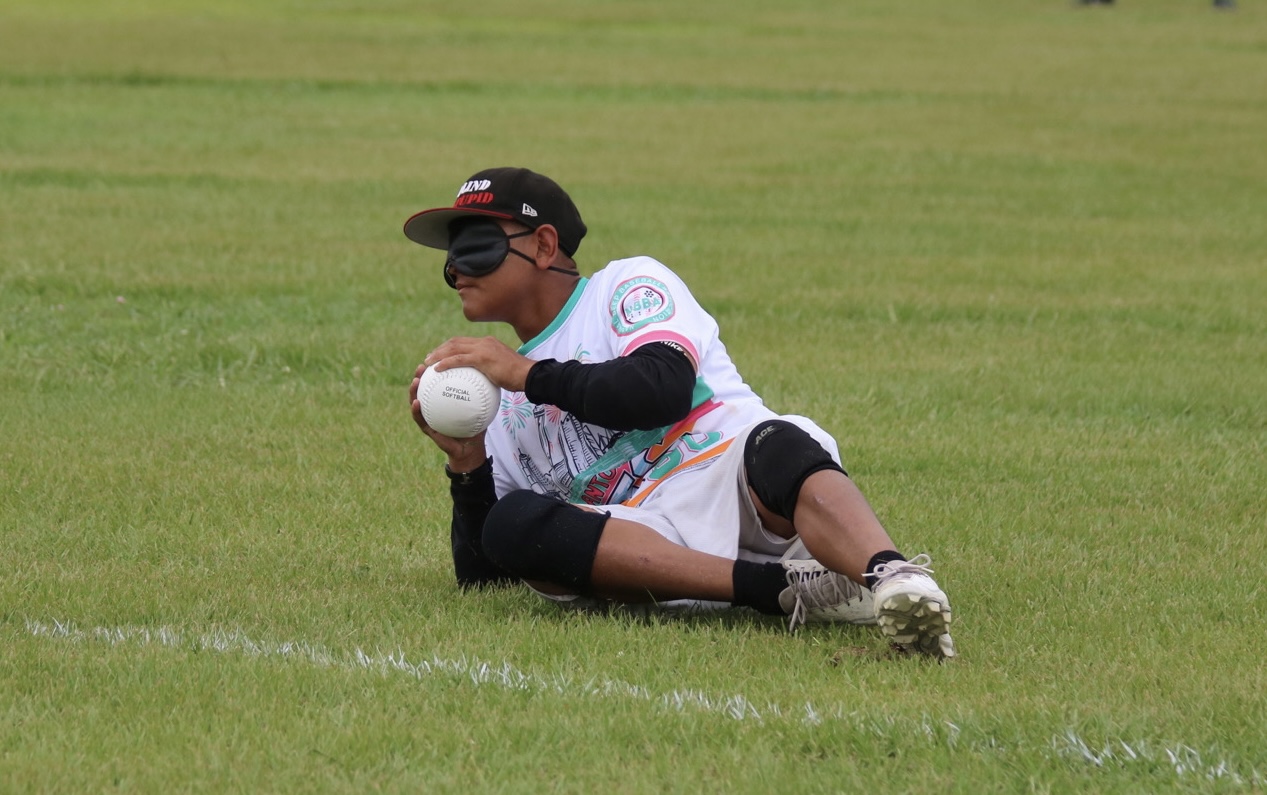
(1012, 254)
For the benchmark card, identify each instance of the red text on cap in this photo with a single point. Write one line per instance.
(473, 198)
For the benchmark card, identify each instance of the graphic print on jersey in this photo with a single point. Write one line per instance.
(639, 458)
(568, 444)
(563, 446)
(561, 456)
(515, 411)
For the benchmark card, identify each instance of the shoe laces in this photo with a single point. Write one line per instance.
(815, 586)
(916, 565)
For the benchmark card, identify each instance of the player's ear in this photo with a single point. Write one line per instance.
(547, 240)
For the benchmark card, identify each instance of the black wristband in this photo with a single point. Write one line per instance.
(482, 472)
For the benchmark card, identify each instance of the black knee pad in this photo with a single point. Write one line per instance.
(777, 458)
(535, 537)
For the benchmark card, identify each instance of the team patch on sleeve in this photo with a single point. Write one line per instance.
(640, 302)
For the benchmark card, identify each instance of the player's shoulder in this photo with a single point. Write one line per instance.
(638, 292)
(620, 269)
(621, 274)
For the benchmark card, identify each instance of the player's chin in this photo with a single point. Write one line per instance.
(473, 309)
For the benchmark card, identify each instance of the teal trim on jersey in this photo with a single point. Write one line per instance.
(702, 392)
(559, 319)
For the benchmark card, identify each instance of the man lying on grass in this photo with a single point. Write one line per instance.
(629, 461)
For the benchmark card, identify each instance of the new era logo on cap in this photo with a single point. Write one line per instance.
(513, 194)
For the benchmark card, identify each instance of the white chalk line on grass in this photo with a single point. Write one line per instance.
(1184, 760)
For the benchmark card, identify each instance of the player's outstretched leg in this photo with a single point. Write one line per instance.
(561, 548)
(909, 607)
(788, 470)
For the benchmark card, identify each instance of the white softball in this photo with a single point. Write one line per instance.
(459, 402)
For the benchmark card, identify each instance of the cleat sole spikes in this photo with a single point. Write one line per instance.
(917, 625)
(911, 610)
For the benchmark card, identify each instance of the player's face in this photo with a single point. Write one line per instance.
(498, 294)
(477, 247)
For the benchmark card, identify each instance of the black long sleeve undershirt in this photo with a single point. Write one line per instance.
(650, 388)
(473, 496)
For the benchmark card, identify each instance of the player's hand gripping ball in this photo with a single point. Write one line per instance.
(459, 402)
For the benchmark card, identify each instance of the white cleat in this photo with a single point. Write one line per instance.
(913, 613)
(815, 593)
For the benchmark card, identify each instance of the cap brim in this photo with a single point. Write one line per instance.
(431, 227)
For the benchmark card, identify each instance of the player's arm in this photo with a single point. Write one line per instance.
(649, 388)
(473, 496)
(473, 490)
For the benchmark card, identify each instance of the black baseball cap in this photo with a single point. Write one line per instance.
(513, 194)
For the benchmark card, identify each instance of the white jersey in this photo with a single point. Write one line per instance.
(629, 303)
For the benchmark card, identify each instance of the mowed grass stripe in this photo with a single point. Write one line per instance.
(684, 93)
(1066, 747)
